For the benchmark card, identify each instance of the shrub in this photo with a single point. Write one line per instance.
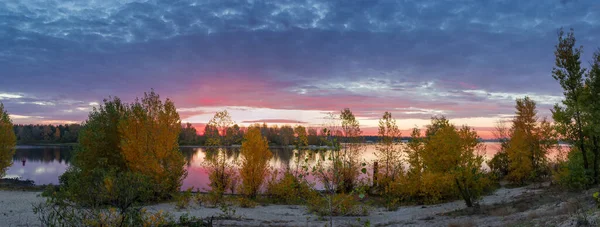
(499, 164)
(437, 187)
(401, 189)
(288, 189)
(571, 173)
(99, 199)
(246, 203)
(221, 173)
(341, 205)
(100, 187)
(182, 200)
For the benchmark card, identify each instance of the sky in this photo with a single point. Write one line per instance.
(288, 62)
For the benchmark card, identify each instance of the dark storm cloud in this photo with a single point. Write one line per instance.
(426, 53)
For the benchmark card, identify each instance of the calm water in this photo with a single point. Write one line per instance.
(45, 164)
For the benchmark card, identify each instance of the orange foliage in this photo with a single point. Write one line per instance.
(8, 141)
(150, 133)
(255, 156)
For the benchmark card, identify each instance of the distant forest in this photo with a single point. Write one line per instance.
(40, 134)
(276, 135)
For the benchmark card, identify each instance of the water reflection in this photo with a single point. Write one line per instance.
(44, 154)
(44, 165)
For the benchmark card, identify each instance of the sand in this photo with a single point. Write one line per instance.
(16, 210)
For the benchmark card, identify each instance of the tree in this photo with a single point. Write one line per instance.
(452, 153)
(57, 134)
(122, 143)
(188, 134)
(235, 134)
(221, 173)
(313, 137)
(47, 133)
(219, 124)
(414, 153)
(220, 170)
(349, 162)
(255, 157)
(530, 141)
(388, 153)
(100, 138)
(150, 131)
(286, 135)
(301, 139)
(593, 107)
(8, 141)
(569, 73)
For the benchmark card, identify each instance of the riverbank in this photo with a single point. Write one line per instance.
(530, 206)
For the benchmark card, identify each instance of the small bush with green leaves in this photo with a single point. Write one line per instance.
(571, 173)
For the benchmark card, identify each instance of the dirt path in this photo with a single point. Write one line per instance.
(504, 207)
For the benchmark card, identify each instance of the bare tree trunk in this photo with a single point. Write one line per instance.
(464, 193)
(595, 143)
(581, 138)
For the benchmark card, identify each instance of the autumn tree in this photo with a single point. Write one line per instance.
(254, 165)
(388, 150)
(150, 131)
(530, 141)
(451, 153)
(301, 138)
(8, 141)
(120, 142)
(219, 124)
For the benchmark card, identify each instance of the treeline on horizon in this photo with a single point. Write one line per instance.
(32, 134)
(39, 133)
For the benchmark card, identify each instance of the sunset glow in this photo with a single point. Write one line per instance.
(287, 63)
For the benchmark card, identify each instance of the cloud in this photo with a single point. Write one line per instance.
(464, 59)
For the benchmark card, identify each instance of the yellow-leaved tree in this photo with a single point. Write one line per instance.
(150, 130)
(451, 157)
(255, 157)
(530, 140)
(8, 141)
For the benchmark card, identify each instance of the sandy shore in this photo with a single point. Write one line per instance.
(537, 207)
